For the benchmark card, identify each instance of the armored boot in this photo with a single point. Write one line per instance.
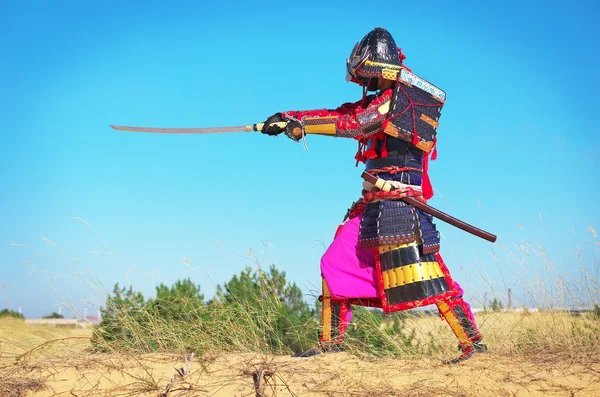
(467, 350)
(459, 316)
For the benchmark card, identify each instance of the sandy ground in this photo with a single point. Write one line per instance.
(65, 367)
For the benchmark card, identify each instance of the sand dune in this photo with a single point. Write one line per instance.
(66, 367)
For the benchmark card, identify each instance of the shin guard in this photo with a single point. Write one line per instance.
(335, 317)
(459, 316)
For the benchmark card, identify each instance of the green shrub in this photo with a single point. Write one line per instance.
(54, 315)
(255, 311)
(496, 305)
(10, 313)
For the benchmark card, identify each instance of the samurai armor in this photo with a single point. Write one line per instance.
(409, 279)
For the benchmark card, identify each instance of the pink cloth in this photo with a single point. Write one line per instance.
(348, 269)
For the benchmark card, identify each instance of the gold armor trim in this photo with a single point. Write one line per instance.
(326, 316)
(320, 125)
(391, 130)
(389, 74)
(453, 321)
(425, 146)
(387, 248)
(388, 66)
(409, 274)
(429, 120)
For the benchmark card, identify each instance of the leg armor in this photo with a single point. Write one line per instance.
(344, 268)
(411, 271)
(335, 317)
(459, 316)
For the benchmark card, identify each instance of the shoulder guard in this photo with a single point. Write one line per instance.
(415, 111)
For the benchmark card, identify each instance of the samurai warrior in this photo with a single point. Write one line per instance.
(385, 254)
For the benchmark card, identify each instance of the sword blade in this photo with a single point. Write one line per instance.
(210, 130)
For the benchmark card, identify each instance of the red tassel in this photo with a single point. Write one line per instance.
(401, 55)
(434, 153)
(402, 58)
(426, 183)
(415, 137)
(384, 151)
(371, 153)
(360, 157)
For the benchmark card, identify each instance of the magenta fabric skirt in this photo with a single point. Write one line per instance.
(348, 269)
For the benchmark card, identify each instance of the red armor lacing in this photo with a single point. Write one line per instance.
(395, 194)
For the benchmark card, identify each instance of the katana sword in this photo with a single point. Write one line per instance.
(382, 184)
(210, 130)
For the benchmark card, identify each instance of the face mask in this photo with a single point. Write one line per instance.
(371, 83)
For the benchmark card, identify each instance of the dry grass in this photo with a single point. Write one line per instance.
(531, 354)
(517, 333)
(68, 367)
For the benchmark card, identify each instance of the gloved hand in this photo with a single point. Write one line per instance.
(272, 129)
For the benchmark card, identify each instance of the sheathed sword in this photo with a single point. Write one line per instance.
(382, 184)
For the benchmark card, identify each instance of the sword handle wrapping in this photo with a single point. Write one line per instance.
(260, 126)
(296, 127)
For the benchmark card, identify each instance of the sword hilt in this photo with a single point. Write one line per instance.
(379, 183)
(260, 126)
(297, 130)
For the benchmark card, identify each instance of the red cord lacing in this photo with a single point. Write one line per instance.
(393, 169)
(395, 194)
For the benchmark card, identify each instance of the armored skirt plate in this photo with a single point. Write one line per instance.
(408, 276)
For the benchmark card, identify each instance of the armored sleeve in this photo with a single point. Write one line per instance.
(351, 120)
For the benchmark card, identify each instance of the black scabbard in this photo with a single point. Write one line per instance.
(438, 214)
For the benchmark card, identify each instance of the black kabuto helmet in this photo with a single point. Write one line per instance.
(376, 55)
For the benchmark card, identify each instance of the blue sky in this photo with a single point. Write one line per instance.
(518, 142)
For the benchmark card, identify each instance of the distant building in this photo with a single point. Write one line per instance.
(93, 319)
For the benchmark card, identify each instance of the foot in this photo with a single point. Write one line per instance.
(467, 352)
(319, 350)
(480, 347)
